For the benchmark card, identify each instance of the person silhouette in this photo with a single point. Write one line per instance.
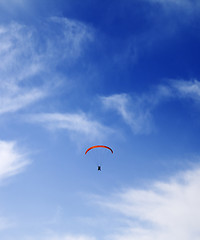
(99, 168)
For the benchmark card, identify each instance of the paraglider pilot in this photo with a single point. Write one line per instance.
(98, 146)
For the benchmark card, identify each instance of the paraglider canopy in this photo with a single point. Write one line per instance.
(98, 146)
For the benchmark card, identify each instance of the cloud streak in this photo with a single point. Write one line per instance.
(57, 236)
(12, 101)
(137, 110)
(71, 237)
(18, 64)
(75, 123)
(164, 210)
(180, 3)
(186, 7)
(29, 61)
(12, 161)
(130, 111)
(187, 89)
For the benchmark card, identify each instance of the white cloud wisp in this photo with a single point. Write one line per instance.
(165, 210)
(137, 111)
(188, 6)
(29, 59)
(12, 161)
(187, 89)
(70, 237)
(54, 236)
(75, 123)
(19, 63)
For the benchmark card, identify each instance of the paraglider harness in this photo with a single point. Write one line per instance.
(99, 168)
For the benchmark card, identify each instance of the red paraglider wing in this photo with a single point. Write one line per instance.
(97, 146)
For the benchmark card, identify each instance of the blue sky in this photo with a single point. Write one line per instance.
(79, 73)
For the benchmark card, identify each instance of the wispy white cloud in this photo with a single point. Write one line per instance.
(14, 3)
(188, 7)
(28, 61)
(11, 101)
(187, 89)
(57, 236)
(166, 20)
(72, 38)
(165, 210)
(75, 123)
(18, 64)
(12, 160)
(137, 110)
(175, 2)
(70, 237)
